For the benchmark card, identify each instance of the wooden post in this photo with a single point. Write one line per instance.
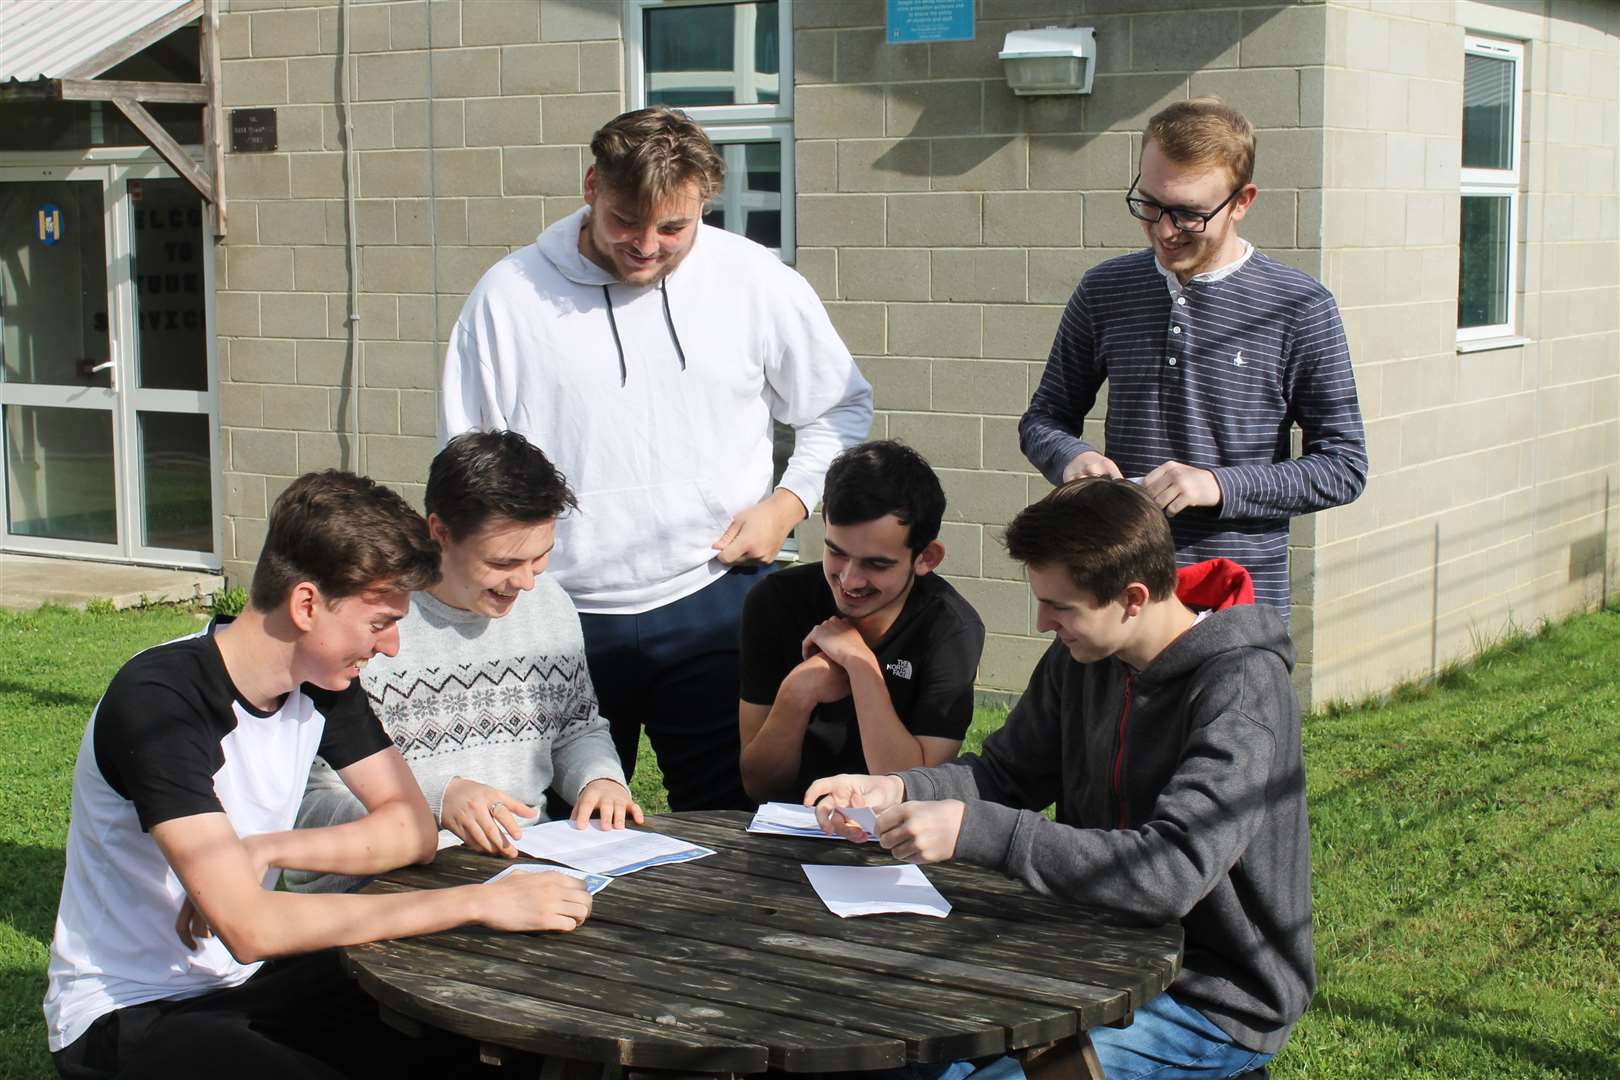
(213, 113)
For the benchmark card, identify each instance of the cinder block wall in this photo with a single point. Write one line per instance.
(1494, 474)
(945, 222)
(516, 89)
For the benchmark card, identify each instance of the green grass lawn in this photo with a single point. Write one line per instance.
(1466, 841)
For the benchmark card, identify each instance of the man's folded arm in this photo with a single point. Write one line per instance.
(222, 877)
(397, 828)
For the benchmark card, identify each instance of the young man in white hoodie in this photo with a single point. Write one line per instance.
(647, 354)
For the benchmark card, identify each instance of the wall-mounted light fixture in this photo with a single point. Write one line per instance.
(1056, 60)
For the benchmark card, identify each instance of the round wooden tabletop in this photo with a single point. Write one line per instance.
(731, 963)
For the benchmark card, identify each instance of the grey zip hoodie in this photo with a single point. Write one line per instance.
(1180, 794)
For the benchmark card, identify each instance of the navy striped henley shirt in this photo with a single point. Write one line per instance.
(1214, 378)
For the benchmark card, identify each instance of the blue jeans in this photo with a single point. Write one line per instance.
(1168, 1040)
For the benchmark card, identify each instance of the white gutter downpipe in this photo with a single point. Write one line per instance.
(356, 461)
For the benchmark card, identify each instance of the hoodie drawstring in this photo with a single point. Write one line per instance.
(617, 344)
(669, 320)
(663, 291)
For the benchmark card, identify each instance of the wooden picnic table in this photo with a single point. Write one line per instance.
(731, 963)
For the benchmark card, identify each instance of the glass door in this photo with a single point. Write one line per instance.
(106, 365)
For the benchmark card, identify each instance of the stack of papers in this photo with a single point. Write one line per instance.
(876, 890)
(612, 852)
(594, 883)
(791, 819)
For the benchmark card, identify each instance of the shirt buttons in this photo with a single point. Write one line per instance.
(1171, 361)
(1182, 300)
(1175, 329)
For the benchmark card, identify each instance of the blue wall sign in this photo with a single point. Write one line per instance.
(50, 224)
(930, 20)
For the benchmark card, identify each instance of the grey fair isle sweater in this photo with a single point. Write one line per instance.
(507, 702)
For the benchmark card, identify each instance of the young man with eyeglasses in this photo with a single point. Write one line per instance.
(1212, 351)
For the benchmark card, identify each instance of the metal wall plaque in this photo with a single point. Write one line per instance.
(253, 131)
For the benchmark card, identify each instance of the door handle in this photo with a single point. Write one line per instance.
(88, 369)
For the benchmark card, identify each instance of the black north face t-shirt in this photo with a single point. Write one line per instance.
(929, 658)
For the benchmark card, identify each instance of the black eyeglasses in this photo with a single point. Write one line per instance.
(1193, 221)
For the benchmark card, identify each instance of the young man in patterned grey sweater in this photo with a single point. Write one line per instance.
(489, 698)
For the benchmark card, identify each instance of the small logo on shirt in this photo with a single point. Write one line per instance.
(900, 669)
(1238, 359)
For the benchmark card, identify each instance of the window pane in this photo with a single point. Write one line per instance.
(167, 219)
(713, 54)
(53, 283)
(1487, 112)
(59, 473)
(1482, 288)
(176, 482)
(751, 202)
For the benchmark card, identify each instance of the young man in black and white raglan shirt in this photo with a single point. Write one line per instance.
(174, 955)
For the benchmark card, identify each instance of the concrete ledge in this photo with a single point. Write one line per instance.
(27, 581)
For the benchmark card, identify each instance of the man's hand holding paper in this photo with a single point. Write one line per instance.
(831, 794)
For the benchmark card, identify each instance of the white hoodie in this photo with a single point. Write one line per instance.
(663, 443)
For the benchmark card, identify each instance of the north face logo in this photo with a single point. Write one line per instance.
(900, 669)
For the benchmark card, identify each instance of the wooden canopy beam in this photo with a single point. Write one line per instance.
(131, 98)
(165, 144)
(105, 90)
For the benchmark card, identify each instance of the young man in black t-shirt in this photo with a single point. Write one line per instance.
(174, 955)
(864, 662)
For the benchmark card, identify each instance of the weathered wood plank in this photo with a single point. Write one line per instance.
(642, 900)
(939, 938)
(612, 955)
(712, 827)
(797, 1044)
(738, 947)
(165, 144)
(974, 917)
(571, 1031)
(938, 1023)
(108, 89)
(214, 113)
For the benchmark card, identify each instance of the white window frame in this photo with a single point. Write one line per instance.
(1498, 183)
(728, 125)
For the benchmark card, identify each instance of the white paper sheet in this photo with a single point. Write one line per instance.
(875, 890)
(792, 819)
(864, 816)
(614, 852)
(594, 883)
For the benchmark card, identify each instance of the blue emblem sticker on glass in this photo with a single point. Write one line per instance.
(929, 20)
(50, 224)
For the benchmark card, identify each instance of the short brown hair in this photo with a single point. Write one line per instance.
(485, 475)
(648, 155)
(347, 535)
(1205, 131)
(1106, 533)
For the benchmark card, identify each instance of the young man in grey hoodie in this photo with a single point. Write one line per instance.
(1163, 725)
